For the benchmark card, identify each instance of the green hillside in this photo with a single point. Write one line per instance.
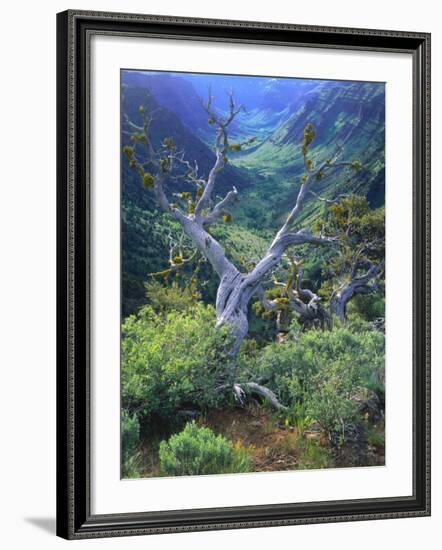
(266, 174)
(278, 161)
(146, 230)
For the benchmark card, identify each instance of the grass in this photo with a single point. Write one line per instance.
(131, 467)
(270, 425)
(312, 454)
(376, 436)
(242, 461)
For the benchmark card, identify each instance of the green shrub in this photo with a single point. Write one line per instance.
(198, 451)
(165, 299)
(296, 415)
(312, 455)
(369, 306)
(131, 467)
(130, 439)
(330, 404)
(376, 435)
(318, 373)
(130, 432)
(174, 360)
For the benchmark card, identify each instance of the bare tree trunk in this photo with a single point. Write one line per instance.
(237, 289)
(231, 306)
(365, 284)
(303, 301)
(339, 300)
(283, 320)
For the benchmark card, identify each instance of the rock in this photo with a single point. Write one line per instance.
(379, 324)
(368, 403)
(314, 431)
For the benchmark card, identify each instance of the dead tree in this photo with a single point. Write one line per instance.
(295, 299)
(197, 211)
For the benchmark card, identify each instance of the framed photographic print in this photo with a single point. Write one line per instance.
(243, 274)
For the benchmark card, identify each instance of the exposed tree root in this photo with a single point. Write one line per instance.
(240, 390)
(253, 387)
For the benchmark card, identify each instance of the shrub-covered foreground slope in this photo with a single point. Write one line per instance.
(331, 382)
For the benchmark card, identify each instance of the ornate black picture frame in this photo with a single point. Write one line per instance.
(74, 518)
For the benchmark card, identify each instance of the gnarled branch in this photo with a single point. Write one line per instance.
(218, 209)
(363, 284)
(239, 391)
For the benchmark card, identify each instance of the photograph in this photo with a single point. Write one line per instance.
(253, 283)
